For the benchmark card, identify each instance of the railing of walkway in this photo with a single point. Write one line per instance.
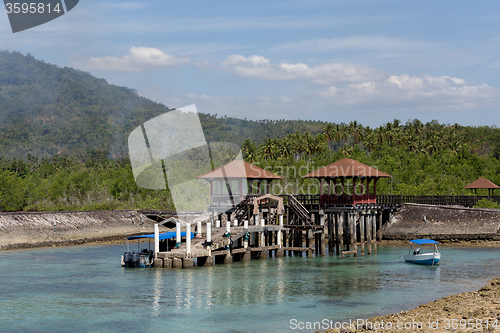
(446, 200)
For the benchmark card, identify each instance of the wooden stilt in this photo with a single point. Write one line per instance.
(353, 235)
(369, 233)
(341, 232)
(374, 234)
(379, 226)
(362, 225)
(321, 236)
(338, 237)
(330, 234)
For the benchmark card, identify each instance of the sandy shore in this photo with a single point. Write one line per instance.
(476, 311)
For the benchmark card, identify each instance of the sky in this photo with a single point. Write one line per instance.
(342, 60)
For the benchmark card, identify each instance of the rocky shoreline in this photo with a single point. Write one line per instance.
(476, 311)
(40, 229)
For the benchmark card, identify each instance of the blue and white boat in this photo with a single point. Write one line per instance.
(144, 257)
(426, 258)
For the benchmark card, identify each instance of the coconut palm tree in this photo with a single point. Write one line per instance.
(249, 151)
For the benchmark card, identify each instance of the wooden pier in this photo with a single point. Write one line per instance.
(279, 226)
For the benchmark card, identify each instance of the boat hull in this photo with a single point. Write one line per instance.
(423, 259)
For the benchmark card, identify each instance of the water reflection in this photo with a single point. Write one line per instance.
(257, 296)
(157, 292)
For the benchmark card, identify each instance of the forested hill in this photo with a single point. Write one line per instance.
(46, 110)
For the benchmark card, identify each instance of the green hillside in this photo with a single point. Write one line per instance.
(46, 110)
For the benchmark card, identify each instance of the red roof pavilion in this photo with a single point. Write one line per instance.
(482, 183)
(347, 168)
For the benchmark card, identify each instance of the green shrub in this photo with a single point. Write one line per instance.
(485, 203)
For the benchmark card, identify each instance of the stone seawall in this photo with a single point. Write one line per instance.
(443, 223)
(34, 229)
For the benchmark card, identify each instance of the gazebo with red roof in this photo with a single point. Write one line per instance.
(336, 173)
(232, 182)
(483, 183)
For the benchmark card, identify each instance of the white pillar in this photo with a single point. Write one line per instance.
(280, 222)
(235, 223)
(228, 226)
(217, 224)
(245, 226)
(177, 232)
(256, 219)
(209, 232)
(262, 236)
(198, 227)
(157, 239)
(188, 238)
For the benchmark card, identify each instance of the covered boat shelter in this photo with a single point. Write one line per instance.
(334, 187)
(483, 183)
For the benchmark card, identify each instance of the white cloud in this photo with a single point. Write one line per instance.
(421, 92)
(138, 59)
(356, 43)
(261, 68)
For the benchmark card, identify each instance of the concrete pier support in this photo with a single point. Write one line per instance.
(263, 254)
(228, 259)
(247, 256)
(280, 253)
(167, 263)
(158, 263)
(176, 263)
(209, 261)
(187, 263)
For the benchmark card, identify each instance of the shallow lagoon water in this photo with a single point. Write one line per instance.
(84, 288)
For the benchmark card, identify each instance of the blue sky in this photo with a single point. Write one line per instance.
(370, 61)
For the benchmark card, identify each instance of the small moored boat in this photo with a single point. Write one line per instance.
(144, 257)
(426, 258)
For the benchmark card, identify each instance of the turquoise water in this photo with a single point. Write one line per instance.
(84, 289)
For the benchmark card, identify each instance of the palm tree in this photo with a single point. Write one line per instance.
(267, 149)
(319, 144)
(249, 151)
(356, 131)
(329, 132)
